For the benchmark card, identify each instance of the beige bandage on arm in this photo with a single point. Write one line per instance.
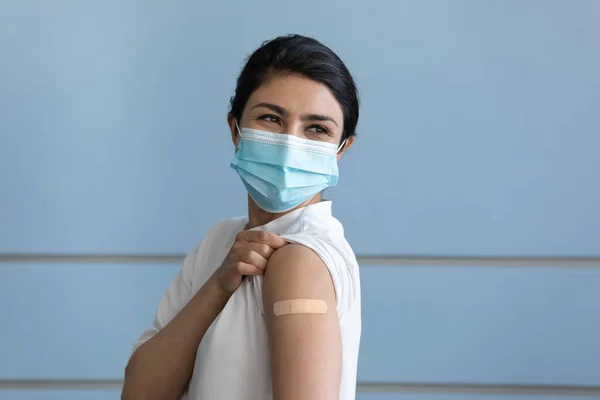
(299, 306)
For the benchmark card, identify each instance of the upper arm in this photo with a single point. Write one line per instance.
(305, 349)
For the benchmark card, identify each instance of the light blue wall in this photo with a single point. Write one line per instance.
(479, 131)
(479, 137)
(422, 324)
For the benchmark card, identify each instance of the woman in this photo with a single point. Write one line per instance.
(268, 306)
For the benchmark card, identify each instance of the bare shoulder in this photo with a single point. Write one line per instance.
(295, 270)
(305, 347)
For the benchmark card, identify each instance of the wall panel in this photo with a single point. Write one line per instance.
(488, 325)
(115, 141)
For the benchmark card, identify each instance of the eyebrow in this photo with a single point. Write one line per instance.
(272, 107)
(317, 117)
(282, 111)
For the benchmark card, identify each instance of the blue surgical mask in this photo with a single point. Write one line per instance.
(280, 171)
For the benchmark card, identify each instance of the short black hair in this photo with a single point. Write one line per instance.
(304, 56)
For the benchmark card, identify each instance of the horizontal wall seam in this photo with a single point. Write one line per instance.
(492, 389)
(365, 260)
(565, 390)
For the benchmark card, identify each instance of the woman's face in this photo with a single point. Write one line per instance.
(294, 105)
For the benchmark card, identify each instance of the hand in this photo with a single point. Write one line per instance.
(248, 256)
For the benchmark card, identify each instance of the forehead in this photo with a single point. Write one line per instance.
(297, 94)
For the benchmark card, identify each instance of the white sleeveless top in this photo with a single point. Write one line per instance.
(233, 361)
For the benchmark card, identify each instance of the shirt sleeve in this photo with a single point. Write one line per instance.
(173, 300)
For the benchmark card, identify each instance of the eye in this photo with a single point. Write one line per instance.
(270, 118)
(318, 129)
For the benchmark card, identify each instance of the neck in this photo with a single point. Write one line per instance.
(258, 217)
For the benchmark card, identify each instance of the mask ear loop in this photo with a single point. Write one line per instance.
(238, 128)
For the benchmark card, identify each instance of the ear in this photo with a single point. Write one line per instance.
(235, 137)
(347, 145)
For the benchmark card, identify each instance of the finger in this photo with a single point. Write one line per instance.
(254, 258)
(261, 248)
(276, 241)
(248, 269)
(273, 240)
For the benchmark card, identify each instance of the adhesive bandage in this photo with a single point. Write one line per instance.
(299, 306)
